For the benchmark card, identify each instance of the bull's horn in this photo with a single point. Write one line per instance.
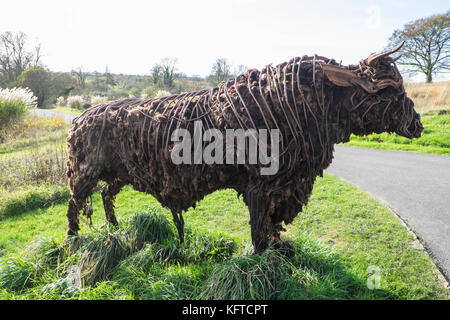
(370, 61)
(396, 58)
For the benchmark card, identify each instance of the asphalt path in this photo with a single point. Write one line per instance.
(50, 114)
(415, 186)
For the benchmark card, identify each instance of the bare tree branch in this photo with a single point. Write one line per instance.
(427, 45)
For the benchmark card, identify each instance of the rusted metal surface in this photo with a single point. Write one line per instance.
(314, 102)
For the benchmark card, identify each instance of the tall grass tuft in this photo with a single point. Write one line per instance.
(44, 253)
(151, 226)
(256, 276)
(17, 273)
(101, 253)
(200, 247)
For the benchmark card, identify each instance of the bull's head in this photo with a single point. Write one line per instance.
(376, 96)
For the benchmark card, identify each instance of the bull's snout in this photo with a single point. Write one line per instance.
(416, 127)
(413, 128)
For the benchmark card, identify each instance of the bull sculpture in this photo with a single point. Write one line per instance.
(314, 103)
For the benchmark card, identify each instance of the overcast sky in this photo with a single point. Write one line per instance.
(131, 36)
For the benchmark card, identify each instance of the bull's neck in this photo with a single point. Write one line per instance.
(307, 105)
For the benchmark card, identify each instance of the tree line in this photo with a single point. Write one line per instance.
(426, 51)
(21, 66)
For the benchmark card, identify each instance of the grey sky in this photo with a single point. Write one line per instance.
(130, 36)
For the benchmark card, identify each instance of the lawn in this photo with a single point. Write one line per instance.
(345, 245)
(342, 235)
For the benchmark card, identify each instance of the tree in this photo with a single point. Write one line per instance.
(45, 85)
(15, 57)
(427, 45)
(80, 76)
(99, 82)
(62, 83)
(220, 71)
(240, 70)
(168, 72)
(163, 74)
(38, 80)
(109, 78)
(156, 75)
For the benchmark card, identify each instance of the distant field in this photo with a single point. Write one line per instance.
(429, 96)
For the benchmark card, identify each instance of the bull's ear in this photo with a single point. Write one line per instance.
(339, 76)
(345, 78)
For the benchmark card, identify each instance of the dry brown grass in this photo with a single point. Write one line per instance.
(429, 96)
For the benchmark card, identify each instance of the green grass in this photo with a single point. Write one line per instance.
(337, 240)
(68, 110)
(32, 165)
(340, 234)
(435, 137)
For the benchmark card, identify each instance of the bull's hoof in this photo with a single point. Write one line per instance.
(285, 247)
(71, 243)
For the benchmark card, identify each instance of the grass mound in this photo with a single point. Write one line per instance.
(149, 226)
(255, 276)
(21, 271)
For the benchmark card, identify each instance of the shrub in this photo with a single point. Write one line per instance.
(61, 101)
(75, 102)
(13, 105)
(117, 93)
(162, 93)
(98, 100)
(134, 92)
(148, 92)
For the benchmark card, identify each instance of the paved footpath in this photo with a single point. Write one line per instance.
(50, 114)
(415, 186)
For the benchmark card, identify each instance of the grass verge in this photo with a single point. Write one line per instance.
(342, 236)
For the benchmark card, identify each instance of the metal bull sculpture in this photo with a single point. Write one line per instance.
(314, 102)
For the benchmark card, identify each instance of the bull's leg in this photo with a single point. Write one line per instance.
(73, 213)
(260, 222)
(72, 218)
(109, 193)
(179, 223)
(284, 246)
(276, 230)
(81, 189)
